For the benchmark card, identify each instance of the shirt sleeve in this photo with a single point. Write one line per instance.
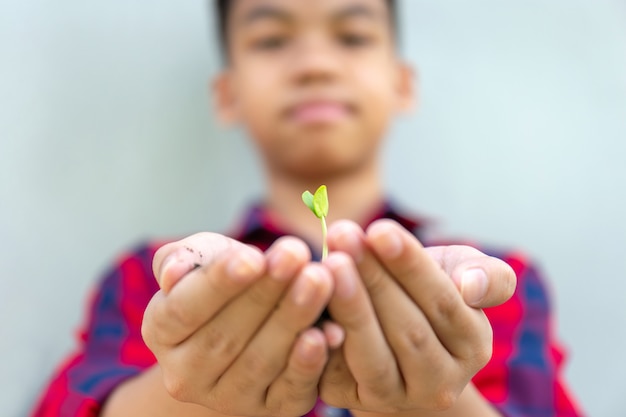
(524, 376)
(110, 348)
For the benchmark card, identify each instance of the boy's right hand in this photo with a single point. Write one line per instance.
(234, 334)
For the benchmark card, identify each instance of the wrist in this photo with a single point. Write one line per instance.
(145, 395)
(470, 403)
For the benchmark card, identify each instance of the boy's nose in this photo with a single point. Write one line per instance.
(315, 59)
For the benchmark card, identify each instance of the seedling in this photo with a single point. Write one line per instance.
(318, 203)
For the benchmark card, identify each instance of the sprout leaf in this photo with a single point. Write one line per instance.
(307, 197)
(320, 202)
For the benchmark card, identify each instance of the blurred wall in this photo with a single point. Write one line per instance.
(106, 139)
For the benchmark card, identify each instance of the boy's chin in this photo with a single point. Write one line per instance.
(322, 161)
(320, 154)
(323, 172)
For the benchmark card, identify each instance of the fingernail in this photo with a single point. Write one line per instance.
(309, 346)
(334, 333)
(389, 244)
(345, 283)
(279, 266)
(173, 268)
(304, 288)
(245, 265)
(350, 243)
(167, 264)
(474, 286)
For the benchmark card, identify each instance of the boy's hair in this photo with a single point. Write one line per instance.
(222, 12)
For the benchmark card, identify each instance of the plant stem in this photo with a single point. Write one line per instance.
(324, 242)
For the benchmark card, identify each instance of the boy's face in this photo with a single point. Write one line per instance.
(316, 83)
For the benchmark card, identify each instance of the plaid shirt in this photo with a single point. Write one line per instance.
(522, 379)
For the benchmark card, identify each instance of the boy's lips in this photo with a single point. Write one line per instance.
(319, 112)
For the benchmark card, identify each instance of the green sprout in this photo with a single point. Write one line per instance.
(318, 203)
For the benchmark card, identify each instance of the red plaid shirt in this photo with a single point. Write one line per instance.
(523, 378)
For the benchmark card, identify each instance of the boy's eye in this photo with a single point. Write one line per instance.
(354, 40)
(270, 43)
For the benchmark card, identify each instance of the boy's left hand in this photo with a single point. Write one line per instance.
(414, 331)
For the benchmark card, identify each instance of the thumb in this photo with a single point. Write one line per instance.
(174, 260)
(484, 281)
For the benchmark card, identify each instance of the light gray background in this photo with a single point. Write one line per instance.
(106, 139)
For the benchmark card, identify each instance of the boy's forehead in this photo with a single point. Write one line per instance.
(248, 11)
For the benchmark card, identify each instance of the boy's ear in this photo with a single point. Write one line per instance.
(224, 99)
(406, 87)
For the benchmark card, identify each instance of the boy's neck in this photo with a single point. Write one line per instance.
(356, 196)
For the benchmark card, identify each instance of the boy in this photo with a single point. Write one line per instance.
(230, 326)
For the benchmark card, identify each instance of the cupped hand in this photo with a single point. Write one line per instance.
(414, 331)
(231, 326)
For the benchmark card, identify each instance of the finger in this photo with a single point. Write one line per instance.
(484, 281)
(295, 390)
(368, 356)
(204, 292)
(173, 260)
(334, 333)
(226, 334)
(337, 386)
(461, 329)
(265, 356)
